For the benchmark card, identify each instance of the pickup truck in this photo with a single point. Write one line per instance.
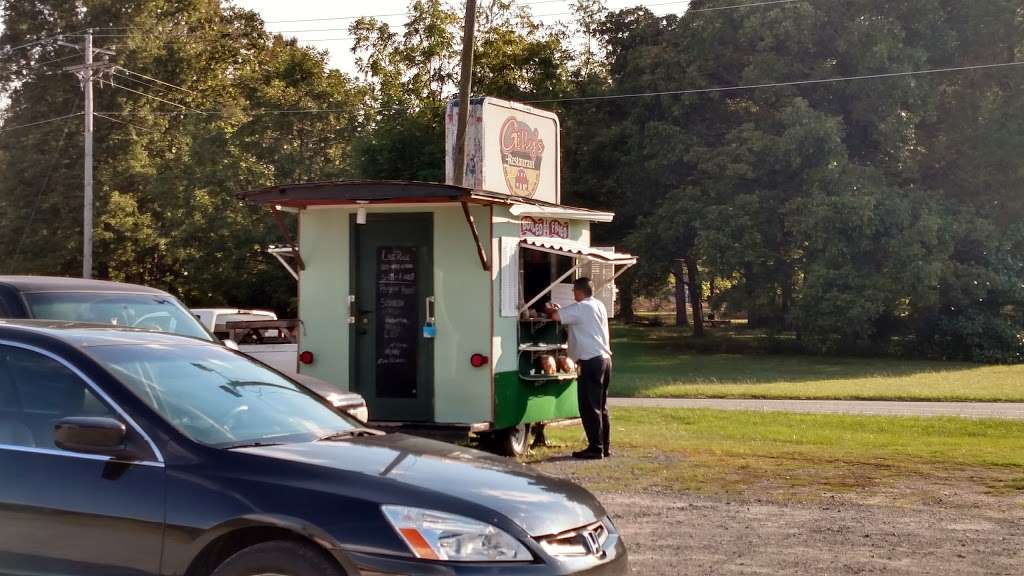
(261, 335)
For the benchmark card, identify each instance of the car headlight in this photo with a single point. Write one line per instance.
(433, 535)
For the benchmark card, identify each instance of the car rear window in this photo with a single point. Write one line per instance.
(147, 311)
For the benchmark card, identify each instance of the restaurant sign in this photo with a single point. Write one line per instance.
(543, 228)
(510, 148)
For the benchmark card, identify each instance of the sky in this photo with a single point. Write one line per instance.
(331, 34)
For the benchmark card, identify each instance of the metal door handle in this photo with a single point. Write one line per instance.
(430, 309)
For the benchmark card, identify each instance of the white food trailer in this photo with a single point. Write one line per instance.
(428, 298)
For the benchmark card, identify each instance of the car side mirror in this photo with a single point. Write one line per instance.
(91, 435)
(229, 343)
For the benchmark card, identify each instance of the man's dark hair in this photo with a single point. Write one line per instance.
(584, 285)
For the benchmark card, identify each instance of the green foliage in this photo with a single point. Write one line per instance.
(864, 215)
(166, 179)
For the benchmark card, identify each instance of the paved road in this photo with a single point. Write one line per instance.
(1011, 411)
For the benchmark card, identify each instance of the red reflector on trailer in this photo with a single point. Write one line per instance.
(306, 357)
(478, 360)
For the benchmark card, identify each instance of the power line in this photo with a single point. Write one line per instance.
(157, 80)
(777, 84)
(660, 4)
(42, 41)
(41, 122)
(42, 190)
(123, 87)
(105, 117)
(386, 15)
(395, 14)
(127, 77)
(41, 64)
(714, 8)
(249, 112)
(33, 43)
(663, 93)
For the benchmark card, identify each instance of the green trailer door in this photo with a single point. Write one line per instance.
(392, 262)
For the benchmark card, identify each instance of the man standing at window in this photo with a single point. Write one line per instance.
(590, 347)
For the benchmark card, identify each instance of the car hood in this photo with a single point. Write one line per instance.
(539, 503)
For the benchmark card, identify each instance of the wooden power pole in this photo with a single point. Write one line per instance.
(465, 89)
(87, 72)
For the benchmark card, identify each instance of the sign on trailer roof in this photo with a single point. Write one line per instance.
(510, 148)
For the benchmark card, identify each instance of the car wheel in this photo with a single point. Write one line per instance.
(514, 441)
(280, 558)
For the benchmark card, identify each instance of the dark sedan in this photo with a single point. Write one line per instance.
(130, 305)
(126, 452)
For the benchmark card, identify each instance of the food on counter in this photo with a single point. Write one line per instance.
(548, 365)
(565, 364)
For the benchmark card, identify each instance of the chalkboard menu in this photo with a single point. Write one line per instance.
(397, 322)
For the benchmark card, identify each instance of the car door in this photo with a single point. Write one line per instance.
(62, 512)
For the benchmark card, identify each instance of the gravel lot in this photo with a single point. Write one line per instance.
(956, 528)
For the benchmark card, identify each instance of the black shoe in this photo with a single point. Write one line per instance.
(607, 453)
(588, 454)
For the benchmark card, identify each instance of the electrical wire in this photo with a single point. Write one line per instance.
(105, 117)
(33, 43)
(183, 107)
(249, 112)
(157, 80)
(778, 84)
(396, 14)
(41, 64)
(41, 122)
(649, 94)
(388, 15)
(39, 195)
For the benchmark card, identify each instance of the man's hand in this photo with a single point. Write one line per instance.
(552, 310)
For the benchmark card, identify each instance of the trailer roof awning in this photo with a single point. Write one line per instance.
(575, 250)
(561, 212)
(369, 192)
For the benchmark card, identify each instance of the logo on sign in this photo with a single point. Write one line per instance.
(521, 153)
(539, 227)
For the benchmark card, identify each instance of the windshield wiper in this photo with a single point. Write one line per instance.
(256, 444)
(351, 433)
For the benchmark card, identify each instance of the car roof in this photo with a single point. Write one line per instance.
(83, 335)
(61, 284)
(230, 311)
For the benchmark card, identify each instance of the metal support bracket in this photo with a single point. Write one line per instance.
(614, 277)
(550, 287)
(476, 237)
(283, 228)
(285, 263)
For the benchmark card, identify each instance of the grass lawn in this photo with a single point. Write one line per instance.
(657, 362)
(796, 454)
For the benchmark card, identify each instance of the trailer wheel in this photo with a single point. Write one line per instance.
(513, 442)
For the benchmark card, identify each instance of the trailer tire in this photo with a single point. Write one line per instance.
(512, 442)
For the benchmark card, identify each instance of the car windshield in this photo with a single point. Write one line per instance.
(147, 311)
(221, 398)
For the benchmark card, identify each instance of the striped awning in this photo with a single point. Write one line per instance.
(576, 250)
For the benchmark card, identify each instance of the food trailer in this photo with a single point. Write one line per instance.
(428, 298)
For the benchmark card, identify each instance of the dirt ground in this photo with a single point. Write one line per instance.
(946, 527)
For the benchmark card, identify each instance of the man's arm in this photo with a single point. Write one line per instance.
(567, 316)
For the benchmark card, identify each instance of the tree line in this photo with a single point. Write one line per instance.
(876, 214)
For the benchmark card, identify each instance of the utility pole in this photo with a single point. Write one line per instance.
(86, 73)
(465, 89)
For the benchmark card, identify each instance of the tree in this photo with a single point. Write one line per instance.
(166, 177)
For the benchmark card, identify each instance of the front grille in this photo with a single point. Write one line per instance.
(587, 540)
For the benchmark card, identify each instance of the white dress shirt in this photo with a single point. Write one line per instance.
(587, 321)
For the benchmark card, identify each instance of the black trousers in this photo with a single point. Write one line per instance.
(592, 390)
